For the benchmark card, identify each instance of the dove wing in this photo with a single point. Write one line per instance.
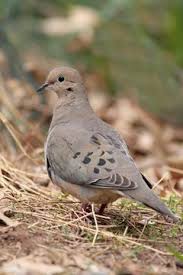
(92, 161)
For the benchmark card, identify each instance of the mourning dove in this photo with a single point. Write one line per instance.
(84, 155)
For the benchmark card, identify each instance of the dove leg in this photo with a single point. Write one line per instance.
(102, 208)
(86, 207)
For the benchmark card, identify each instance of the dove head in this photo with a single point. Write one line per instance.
(62, 81)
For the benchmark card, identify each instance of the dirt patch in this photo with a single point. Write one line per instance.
(53, 231)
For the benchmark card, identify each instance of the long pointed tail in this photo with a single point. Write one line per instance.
(155, 203)
(150, 199)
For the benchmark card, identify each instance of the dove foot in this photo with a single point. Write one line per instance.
(86, 207)
(102, 208)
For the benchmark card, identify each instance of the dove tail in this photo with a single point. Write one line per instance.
(148, 198)
(155, 203)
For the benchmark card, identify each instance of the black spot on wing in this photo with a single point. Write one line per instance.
(108, 170)
(86, 160)
(102, 153)
(118, 146)
(128, 184)
(111, 160)
(133, 185)
(118, 179)
(89, 154)
(112, 178)
(96, 170)
(101, 162)
(109, 152)
(125, 182)
(76, 155)
(95, 140)
(113, 142)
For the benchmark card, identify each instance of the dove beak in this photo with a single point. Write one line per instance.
(42, 88)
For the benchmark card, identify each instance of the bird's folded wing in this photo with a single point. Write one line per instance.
(96, 163)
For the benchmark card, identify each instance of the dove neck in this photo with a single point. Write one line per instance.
(71, 106)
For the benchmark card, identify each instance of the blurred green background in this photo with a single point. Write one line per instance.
(134, 47)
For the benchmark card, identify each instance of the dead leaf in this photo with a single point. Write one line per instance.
(24, 266)
(7, 221)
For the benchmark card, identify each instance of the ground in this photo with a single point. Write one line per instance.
(40, 225)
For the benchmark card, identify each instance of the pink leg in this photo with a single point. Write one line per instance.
(86, 207)
(101, 209)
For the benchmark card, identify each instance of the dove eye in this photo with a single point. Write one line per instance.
(60, 78)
